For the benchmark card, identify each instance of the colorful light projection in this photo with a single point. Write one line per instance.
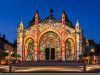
(77, 44)
(30, 31)
(50, 40)
(29, 49)
(69, 50)
(77, 39)
(80, 37)
(20, 39)
(63, 37)
(69, 30)
(36, 37)
(44, 26)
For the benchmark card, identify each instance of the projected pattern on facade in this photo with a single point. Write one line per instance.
(29, 49)
(69, 53)
(50, 40)
(44, 26)
(45, 34)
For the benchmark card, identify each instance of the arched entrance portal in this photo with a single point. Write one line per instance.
(29, 49)
(50, 46)
(69, 49)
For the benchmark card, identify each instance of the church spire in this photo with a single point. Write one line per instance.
(51, 11)
(21, 21)
(77, 24)
(77, 20)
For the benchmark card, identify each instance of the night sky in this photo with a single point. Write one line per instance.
(86, 11)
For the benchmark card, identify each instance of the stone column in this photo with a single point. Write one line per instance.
(63, 37)
(77, 39)
(36, 38)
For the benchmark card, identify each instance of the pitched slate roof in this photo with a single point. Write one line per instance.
(51, 17)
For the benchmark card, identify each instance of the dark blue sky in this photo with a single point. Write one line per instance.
(86, 11)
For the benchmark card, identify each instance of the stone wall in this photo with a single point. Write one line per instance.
(8, 48)
(1, 53)
(1, 49)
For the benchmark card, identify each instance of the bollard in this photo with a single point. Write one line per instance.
(84, 68)
(11, 68)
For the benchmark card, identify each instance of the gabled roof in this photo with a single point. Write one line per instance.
(51, 17)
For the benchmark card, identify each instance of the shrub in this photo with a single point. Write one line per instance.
(80, 56)
(5, 54)
(18, 55)
(12, 55)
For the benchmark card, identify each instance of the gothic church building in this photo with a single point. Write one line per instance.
(49, 39)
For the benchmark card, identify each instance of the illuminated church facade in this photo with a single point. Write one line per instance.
(49, 39)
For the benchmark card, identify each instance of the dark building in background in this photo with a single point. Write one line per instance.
(91, 47)
(2, 49)
(7, 47)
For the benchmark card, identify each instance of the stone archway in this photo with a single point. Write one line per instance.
(70, 36)
(29, 48)
(28, 36)
(57, 32)
(46, 41)
(69, 47)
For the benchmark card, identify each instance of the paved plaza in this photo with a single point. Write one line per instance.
(50, 67)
